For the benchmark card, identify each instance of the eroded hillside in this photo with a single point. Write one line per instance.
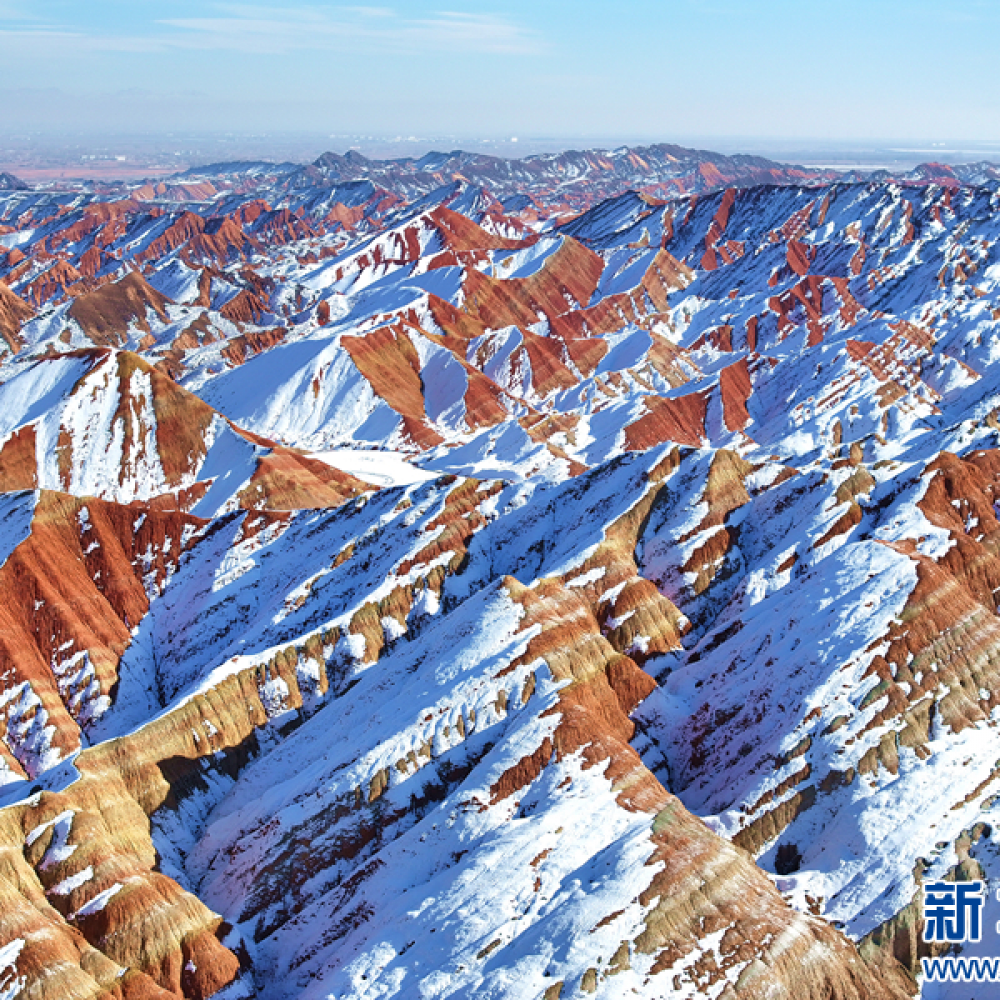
(423, 593)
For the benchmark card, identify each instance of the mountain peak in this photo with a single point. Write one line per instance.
(8, 182)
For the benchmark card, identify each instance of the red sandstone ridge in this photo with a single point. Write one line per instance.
(717, 229)
(680, 419)
(13, 314)
(735, 388)
(73, 591)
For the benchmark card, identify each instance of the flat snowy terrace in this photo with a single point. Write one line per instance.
(382, 468)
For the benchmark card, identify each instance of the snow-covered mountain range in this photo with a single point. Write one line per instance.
(474, 578)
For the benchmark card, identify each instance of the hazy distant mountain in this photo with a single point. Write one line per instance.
(8, 182)
(572, 178)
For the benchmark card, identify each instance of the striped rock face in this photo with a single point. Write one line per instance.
(499, 586)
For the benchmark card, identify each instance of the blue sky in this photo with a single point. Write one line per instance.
(632, 68)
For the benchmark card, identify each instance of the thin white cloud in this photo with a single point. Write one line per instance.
(45, 42)
(25, 32)
(370, 11)
(255, 29)
(252, 28)
(475, 32)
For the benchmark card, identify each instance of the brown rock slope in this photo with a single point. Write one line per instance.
(14, 313)
(107, 314)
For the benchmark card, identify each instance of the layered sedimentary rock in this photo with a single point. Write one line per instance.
(522, 725)
(420, 585)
